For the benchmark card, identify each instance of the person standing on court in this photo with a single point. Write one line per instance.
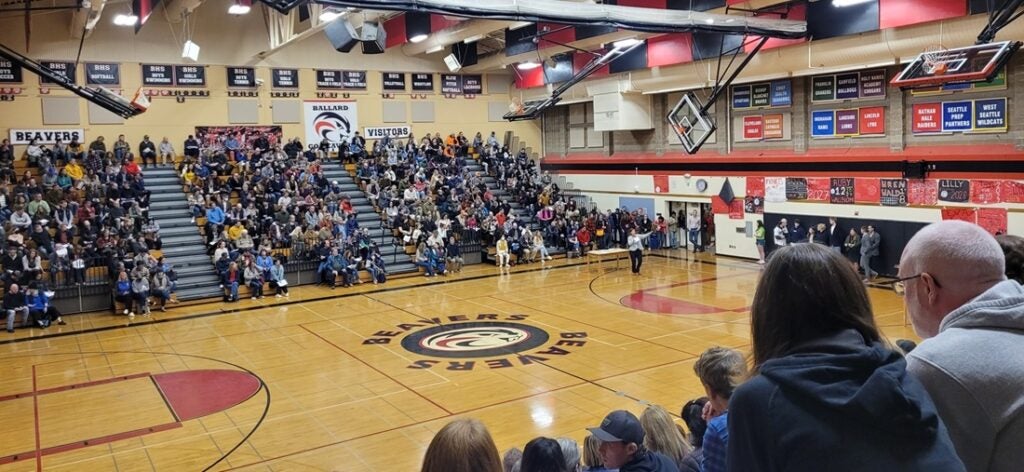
(693, 229)
(972, 321)
(780, 235)
(836, 238)
(869, 244)
(636, 251)
(828, 392)
(759, 235)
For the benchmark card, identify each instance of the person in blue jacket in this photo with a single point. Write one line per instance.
(828, 392)
(123, 292)
(39, 307)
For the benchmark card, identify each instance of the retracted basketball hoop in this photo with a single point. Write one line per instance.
(692, 124)
(937, 65)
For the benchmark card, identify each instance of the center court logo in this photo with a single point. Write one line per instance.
(492, 341)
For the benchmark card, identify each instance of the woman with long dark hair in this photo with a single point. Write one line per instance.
(543, 455)
(828, 392)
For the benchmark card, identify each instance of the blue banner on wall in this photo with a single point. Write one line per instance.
(823, 123)
(632, 203)
(741, 96)
(957, 116)
(782, 93)
(990, 115)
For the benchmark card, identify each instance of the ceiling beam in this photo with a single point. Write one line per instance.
(456, 34)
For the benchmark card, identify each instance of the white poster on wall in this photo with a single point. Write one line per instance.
(46, 136)
(392, 132)
(333, 120)
(775, 189)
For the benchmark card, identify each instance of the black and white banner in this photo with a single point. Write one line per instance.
(285, 78)
(355, 79)
(190, 76)
(102, 73)
(46, 136)
(328, 79)
(158, 75)
(423, 82)
(393, 132)
(394, 81)
(241, 77)
(10, 73)
(67, 69)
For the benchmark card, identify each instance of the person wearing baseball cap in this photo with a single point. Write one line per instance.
(622, 445)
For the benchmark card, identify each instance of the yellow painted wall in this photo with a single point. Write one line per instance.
(235, 41)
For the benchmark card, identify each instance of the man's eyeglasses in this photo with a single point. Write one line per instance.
(900, 287)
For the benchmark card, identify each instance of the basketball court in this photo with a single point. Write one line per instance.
(362, 379)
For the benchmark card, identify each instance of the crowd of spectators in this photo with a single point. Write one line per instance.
(74, 208)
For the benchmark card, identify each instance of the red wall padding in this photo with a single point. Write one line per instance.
(529, 78)
(894, 13)
(669, 49)
(580, 60)
(563, 36)
(643, 3)
(395, 28)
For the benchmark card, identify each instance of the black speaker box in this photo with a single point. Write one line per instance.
(374, 38)
(342, 35)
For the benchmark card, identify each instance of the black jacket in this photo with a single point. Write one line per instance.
(837, 237)
(837, 404)
(650, 462)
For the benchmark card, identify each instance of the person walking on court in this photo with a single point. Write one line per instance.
(869, 248)
(952, 278)
(636, 251)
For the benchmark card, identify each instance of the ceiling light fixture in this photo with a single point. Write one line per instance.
(125, 20)
(419, 38)
(625, 43)
(528, 65)
(240, 7)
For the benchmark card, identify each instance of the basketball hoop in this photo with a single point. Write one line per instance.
(933, 59)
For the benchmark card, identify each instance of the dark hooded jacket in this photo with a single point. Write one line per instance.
(837, 404)
(649, 461)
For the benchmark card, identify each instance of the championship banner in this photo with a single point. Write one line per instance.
(214, 136)
(332, 120)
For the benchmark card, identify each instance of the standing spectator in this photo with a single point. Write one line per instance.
(14, 303)
(828, 393)
(720, 371)
(693, 230)
(759, 240)
(972, 322)
(622, 445)
(869, 244)
(780, 235)
(636, 251)
(852, 247)
(543, 455)
(464, 445)
(836, 237)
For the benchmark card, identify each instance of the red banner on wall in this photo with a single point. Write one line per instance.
(755, 187)
(818, 188)
(993, 220)
(660, 183)
(734, 210)
(872, 120)
(969, 215)
(866, 190)
(753, 127)
(1013, 191)
(922, 192)
(986, 191)
(927, 118)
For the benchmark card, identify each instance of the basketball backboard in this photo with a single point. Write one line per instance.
(939, 66)
(692, 125)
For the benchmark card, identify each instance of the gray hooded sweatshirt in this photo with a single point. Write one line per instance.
(974, 371)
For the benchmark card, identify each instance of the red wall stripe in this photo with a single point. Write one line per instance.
(529, 78)
(580, 60)
(395, 29)
(669, 49)
(644, 3)
(565, 36)
(894, 13)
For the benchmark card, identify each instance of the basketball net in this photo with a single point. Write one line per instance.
(516, 107)
(933, 59)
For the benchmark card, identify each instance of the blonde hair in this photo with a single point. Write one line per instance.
(464, 445)
(661, 434)
(591, 451)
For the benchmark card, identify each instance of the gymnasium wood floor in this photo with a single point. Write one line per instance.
(331, 387)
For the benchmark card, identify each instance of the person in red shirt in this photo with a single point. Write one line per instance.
(583, 235)
(130, 167)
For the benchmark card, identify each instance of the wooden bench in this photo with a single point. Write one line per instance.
(604, 254)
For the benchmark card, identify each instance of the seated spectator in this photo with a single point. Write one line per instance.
(512, 460)
(14, 303)
(828, 392)
(622, 445)
(571, 453)
(140, 290)
(160, 287)
(720, 371)
(543, 455)
(278, 280)
(661, 434)
(254, 279)
(464, 445)
(592, 461)
(39, 306)
(229, 281)
(972, 322)
(693, 416)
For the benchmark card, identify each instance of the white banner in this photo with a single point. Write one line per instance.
(390, 131)
(47, 136)
(333, 120)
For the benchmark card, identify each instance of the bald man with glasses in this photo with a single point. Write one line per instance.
(971, 362)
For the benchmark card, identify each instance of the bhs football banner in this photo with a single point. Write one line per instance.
(333, 120)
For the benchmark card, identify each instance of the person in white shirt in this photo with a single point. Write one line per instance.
(779, 234)
(693, 229)
(636, 251)
(166, 151)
